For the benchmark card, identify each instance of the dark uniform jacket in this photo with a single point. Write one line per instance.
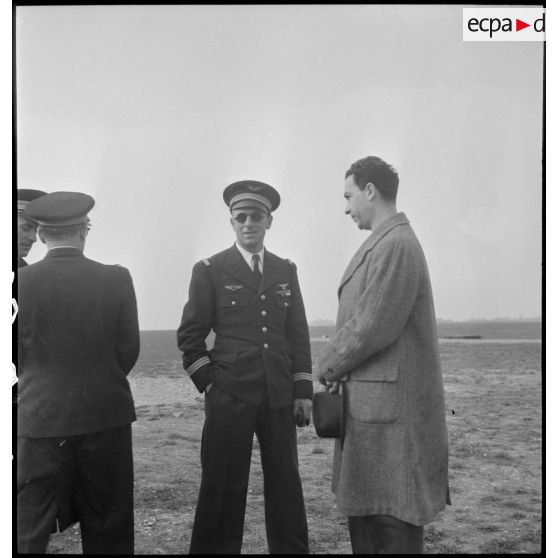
(261, 332)
(21, 262)
(78, 338)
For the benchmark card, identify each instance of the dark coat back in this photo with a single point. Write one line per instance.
(78, 339)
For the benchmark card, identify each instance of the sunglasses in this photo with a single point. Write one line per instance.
(256, 217)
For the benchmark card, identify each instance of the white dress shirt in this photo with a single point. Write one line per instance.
(248, 257)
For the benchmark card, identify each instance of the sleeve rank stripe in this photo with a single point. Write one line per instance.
(302, 376)
(197, 365)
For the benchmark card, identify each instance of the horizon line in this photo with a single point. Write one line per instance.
(324, 322)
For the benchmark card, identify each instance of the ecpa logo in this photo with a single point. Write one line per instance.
(503, 24)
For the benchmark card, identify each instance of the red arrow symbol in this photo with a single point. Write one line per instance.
(519, 25)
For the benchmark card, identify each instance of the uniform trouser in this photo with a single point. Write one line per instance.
(226, 453)
(87, 477)
(384, 534)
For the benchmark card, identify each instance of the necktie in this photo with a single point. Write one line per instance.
(256, 267)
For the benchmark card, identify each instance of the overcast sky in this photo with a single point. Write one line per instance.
(153, 110)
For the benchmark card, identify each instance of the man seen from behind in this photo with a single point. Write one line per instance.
(78, 339)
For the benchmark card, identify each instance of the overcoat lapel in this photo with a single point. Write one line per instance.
(368, 244)
(238, 268)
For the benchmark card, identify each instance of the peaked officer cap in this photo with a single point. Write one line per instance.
(60, 209)
(26, 195)
(251, 193)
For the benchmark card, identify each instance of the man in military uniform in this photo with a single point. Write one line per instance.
(26, 237)
(257, 379)
(78, 339)
(26, 227)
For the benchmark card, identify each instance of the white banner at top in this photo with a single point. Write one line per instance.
(503, 24)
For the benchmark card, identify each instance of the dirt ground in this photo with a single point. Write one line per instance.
(493, 396)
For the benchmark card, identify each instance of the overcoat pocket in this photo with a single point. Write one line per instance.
(380, 367)
(373, 402)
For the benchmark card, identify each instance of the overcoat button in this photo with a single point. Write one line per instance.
(262, 297)
(264, 313)
(264, 329)
(266, 346)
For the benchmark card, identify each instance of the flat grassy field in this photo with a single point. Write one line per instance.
(493, 398)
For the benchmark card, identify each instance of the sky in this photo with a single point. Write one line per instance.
(153, 110)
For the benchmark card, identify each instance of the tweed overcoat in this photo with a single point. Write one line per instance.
(394, 459)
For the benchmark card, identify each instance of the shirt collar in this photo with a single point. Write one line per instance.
(248, 256)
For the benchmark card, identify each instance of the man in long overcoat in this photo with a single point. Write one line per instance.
(78, 338)
(257, 379)
(390, 473)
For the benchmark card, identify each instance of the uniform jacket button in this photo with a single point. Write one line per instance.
(266, 346)
(264, 329)
(262, 297)
(264, 313)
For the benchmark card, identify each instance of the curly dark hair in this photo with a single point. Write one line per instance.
(375, 170)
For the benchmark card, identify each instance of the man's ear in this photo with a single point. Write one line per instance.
(40, 235)
(370, 190)
(269, 221)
